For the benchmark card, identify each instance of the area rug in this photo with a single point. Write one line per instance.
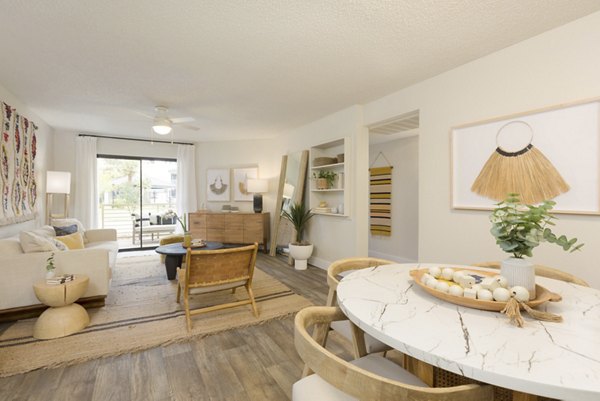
(141, 313)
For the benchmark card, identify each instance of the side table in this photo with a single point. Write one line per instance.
(64, 317)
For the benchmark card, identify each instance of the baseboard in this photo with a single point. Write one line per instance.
(320, 263)
(395, 258)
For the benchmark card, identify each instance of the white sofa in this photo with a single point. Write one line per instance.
(19, 270)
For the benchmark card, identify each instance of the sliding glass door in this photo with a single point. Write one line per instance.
(137, 198)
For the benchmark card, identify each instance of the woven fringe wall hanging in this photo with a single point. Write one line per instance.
(380, 208)
(526, 172)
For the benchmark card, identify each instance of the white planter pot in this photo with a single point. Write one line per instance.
(50, 274)
(519, 272)
(300, 253)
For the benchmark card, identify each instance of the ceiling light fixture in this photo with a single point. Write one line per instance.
(162, 126)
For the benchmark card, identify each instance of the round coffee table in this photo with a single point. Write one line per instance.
(64, 317)
(174, 254)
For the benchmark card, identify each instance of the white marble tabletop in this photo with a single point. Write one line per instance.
(557, 360)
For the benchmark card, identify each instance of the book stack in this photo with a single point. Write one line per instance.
(64, 278)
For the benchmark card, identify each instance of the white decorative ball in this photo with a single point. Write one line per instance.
(442, 286)
(501, 294)
(470, 293)
(431, 283)
(519, 293)
(467, 281)
(502, 281)
(456, 290)
(435, 271)
(457, 276)
(447, 274)
(484, 295)
(476, 287)
(490, 283)
(425, 277)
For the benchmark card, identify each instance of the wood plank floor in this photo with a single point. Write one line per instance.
(253, 363)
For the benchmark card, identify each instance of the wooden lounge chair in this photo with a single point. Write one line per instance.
(216, 270)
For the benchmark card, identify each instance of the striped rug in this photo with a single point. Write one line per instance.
(380, 209)
(141, 313)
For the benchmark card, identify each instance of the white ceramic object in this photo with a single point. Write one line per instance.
(301, 253)
(435, 271)
(50, 274)
(431, 283)
(519, 272)
(456, 290)
(485, 295)
(502, 281)
(501, 294)
(470, 293)
(442, 286)
(447, 273)
(467, 281)
(490, 283)
(476, 287)
(520, 293)
(457, 276)
(425, 277)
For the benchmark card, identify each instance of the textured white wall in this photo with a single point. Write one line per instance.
(556, 67)
(43, 162)
(403, 244)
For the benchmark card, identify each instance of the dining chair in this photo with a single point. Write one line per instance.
(363, 343)
(543, 271)
(372, 377)
(216, 270)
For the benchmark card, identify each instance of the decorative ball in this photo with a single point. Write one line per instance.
(490, 283)
(501, 294)
(484, 295)
(442, 286)
(456, 290)
(457, 276)
(502, 281)
(476, 287)
(467, 281)
(521, 294)
(435, 271)
(447, 274)
(470, 293)
(425, 277)
(431, 283)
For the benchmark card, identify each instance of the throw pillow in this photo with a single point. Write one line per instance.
(59, 245)
(72, 241)
(31, 242)
(66, 230)
(70, 221)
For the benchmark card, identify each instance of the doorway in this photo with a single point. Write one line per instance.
(137, 197)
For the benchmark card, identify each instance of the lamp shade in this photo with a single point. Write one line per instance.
(58, 182)
(258, 186)
(162, 126)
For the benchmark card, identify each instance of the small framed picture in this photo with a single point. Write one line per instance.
(240, 183)
(218, 185)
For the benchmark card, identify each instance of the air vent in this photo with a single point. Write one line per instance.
(396, 125)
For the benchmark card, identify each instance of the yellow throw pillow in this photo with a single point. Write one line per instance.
(72, 241)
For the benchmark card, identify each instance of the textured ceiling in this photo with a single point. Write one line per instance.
(243, 69)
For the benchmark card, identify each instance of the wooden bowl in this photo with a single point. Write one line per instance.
(542, 294)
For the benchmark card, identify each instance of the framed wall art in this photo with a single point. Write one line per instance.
(218, 185)
(568, 136)
(240, 183)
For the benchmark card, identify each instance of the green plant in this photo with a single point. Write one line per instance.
(182, 222)
(326, 174)
(50, 263)
(298, 215)
(519, 228)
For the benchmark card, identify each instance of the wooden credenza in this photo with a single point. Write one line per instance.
(231, 228)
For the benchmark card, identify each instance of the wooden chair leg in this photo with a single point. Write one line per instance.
(233, 290)
(358, 341)
(178, 292)
(186, 305)
(251, 296)
(331, 297)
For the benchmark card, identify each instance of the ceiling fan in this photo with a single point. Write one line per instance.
(163, 124)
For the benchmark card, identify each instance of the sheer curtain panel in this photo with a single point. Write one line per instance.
(86, 182)
(186, 179)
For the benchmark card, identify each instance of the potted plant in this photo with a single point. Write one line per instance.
(519, 228)
(325, 178)
(300, 250)
(50, 266)
(187, 236)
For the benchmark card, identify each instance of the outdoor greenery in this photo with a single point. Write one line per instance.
(121, 177)
(183, 222)
(298, 215)
(519, 228)
(326, 174)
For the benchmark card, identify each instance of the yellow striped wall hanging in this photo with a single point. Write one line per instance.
(380, 200)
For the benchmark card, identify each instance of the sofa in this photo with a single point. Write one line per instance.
(19, 270)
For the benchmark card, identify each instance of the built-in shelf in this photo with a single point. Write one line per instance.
(337, 197)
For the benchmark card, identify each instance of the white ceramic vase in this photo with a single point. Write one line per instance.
(519, 272)
(49, 274)
(301, 253)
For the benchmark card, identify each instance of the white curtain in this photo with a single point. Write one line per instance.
(186, 179)
(86, 181)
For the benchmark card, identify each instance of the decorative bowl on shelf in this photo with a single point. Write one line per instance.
(323, 161)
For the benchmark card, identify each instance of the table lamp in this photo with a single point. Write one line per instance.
(57, 182)
(258, 187)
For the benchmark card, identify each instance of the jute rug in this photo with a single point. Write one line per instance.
(141, 313)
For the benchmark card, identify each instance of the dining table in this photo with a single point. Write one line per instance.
(559, 360)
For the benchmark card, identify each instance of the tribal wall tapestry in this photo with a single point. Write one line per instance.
(17, 173)
(380, 209)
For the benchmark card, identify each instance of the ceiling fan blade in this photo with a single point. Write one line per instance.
(182, 120)
(190, 127)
